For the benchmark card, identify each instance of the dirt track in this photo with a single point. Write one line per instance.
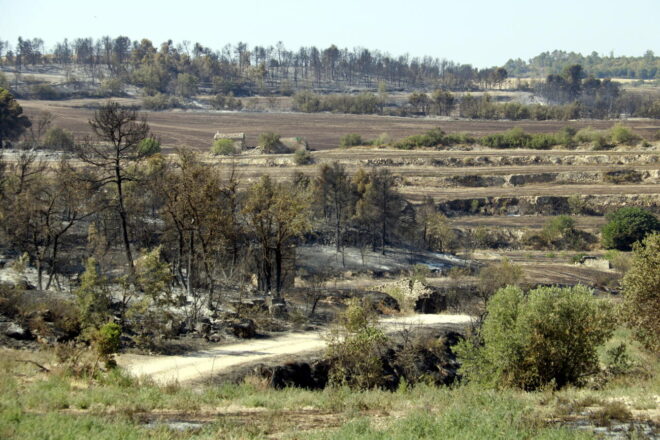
(221, 359)
(322, 130)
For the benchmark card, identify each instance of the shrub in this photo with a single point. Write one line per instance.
(547, 337)
(627, 226)
(302, 157)
(621, 134)
(355, 348)
(350, 140)
(106, 342)
(58, 139)
(148, 147)
(224, 147)
(44, 91)
(306, 101)
(160, 101)
(497, 275)
(270, 142)
(112, 87)
(641, 289)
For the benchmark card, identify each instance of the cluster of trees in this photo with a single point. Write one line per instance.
(646, 66)
(184, 67)
(127, 197)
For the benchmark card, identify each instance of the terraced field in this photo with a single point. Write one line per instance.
(195, 129)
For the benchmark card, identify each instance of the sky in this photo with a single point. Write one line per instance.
(483, 33)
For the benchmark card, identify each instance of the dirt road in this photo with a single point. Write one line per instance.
(219, 359)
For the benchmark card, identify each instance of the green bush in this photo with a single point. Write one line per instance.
(547, 337)
(620, 134)
(355, 348)
(641, 289)
(224, 147)
(350, 140)
(302, 157)
(627, 226)
(44, 91)
(160, 101)
(58, 139)
(112, 87)
(306, 101)
(148, 147)
(270, 142)
(106, 342)
(434, 138)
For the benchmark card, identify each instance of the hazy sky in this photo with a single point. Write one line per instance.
(479, 32)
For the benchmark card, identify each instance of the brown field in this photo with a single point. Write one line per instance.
(322, 130)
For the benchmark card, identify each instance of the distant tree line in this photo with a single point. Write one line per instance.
(182, 68)
(646, 66)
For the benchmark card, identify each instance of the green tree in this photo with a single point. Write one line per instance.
(12, 120)
(93, 297)
(186, 85)
(547, 336)
(58, 139)
(641, 289)
(148, 147)
(627, 226)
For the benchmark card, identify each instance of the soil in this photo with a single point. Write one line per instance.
(221, 358)
(195, 129)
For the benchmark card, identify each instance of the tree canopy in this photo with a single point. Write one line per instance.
(627, 226)
(12, 120)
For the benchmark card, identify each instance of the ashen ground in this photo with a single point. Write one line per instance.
(222, 358)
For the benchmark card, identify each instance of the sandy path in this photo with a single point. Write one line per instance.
(199, 364)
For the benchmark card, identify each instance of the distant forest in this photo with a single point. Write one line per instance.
(547, 63)
(245, 70)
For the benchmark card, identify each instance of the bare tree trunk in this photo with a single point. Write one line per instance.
(124, 221)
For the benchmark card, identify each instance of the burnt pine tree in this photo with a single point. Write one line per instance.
(335, 193)
(119, 131)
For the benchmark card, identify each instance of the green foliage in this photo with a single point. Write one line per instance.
(148, 147)
(307, 101)
(160, 101)
(226, 102)
(44, 91)
(627, 226)
(186, 85)
(92, 297)
(350, 140)
(58, 139)
(154, 276)
(641, 289)
(547, 337)
(517, 138)
(12, 120)
(107, 342)
(302, 157)
(433, 138)
(270, 142)
(224, 147)
(112, 87)
(497, 275)
(355, 348)
(621, 134)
